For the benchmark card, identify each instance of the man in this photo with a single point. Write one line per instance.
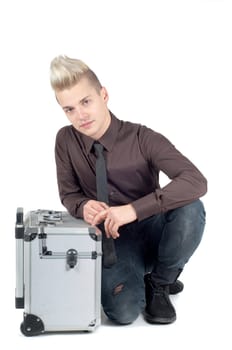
(155, 230)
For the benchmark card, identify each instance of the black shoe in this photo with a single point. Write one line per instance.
(159, 308)
(176, 287)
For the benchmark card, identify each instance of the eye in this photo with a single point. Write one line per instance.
(69, 109)
(86, 102)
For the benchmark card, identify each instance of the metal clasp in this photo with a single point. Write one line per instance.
(71, 258)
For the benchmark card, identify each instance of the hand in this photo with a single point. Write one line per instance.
(114, 218)
(91, 209)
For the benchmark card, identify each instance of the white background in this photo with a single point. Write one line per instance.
(166, 64)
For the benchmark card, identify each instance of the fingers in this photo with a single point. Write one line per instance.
(96, 212)
(91, 209)
(98, 206)
(99, 217)
(111, 224)
(111, 228)
(98, 231)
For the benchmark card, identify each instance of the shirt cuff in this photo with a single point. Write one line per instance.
(147, 206)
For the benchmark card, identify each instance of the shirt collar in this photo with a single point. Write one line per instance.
(110, 136)
(107, 140)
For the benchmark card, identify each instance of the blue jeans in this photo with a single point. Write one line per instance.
(161, 244)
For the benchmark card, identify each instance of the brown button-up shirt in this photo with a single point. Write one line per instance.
(134, 155)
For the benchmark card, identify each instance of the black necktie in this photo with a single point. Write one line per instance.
(109, 254)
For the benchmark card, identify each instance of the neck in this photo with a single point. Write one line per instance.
(105, 126)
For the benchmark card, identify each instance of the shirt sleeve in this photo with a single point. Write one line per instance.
(71, 195)
(186, 182)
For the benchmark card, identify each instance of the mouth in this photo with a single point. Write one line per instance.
(86, 124)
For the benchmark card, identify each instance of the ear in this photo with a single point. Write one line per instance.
(104, 94)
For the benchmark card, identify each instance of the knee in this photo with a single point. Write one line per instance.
(122, 315)
(189, 218)
(188, 222)
(193, 223)
(120, 306)
(195, 211)
(194, 218)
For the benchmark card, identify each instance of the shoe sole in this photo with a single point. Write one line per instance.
(158, 320)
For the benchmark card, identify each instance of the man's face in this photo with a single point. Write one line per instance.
(86, 108)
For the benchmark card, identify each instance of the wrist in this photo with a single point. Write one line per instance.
(133, 214)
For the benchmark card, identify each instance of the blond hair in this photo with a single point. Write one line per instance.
(65, 72)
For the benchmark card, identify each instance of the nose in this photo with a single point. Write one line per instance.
(78, 114)
(81, 113)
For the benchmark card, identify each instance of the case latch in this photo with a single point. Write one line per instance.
(71, 258)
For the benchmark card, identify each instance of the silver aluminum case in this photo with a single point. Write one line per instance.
(61, 297)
